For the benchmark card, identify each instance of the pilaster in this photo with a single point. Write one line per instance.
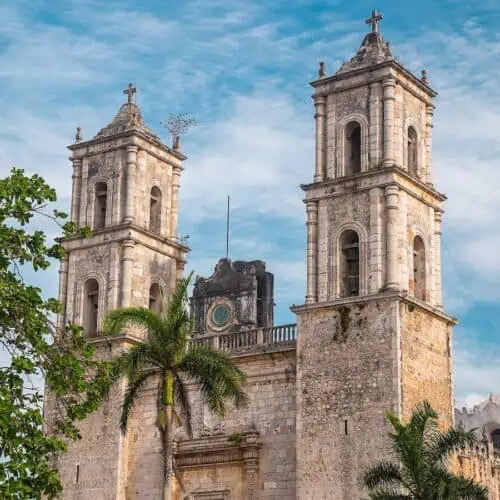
(389, 86)
(429, 113)
(312, 251)
(130, 183)
(391, 258)
(63, 288)
(319, 103)
(174, 206)
(127, 263)
(438, 300)
(76, 190)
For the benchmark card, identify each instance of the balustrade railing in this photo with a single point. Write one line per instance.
(246, 339)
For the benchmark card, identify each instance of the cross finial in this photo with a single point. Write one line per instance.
(130, 91)
(374, 20)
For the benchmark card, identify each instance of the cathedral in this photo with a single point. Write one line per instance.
(371, 335)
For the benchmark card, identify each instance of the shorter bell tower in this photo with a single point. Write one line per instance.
(126, 190)
(372, 333)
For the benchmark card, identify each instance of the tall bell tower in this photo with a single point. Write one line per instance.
(126, 189)
(372, 333)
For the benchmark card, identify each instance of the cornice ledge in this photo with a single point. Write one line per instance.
(128, 133)
(403, 296)
(111, 339)
(371, 173)
(208, 451)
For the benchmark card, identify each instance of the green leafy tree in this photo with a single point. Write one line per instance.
(168, 355)
(421, 472)
(31, 347)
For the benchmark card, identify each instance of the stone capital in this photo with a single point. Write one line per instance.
(132, 148)
(391, 196)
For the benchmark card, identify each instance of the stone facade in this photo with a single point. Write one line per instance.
(482, 461)
(373, 334)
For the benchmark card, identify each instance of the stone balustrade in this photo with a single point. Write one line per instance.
(274, 338)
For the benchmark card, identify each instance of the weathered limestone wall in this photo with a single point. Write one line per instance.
(95, 466)
(426, 362)
(336, 216)
(409, 110)
(481, 465)
(347, 379)
(271, 412)
(152, 172)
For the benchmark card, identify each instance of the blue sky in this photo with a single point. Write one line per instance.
(242, 69)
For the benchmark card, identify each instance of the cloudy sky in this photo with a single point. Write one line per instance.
(242, 69)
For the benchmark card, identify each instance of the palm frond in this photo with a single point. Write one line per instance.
(176, 319)
(463, 488)
(384, 473)
(216, 375)
(423, 417)
(382, 494)
(182, 398)
(130, 399)
(442, 445)
(132, 316)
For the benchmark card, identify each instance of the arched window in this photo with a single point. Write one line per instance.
(155, 298)
(155, 210)
(352, 160)
(495, 438)
(100, 202)
(90, 307)
(412, 151)
(419, 268)
(349, 264)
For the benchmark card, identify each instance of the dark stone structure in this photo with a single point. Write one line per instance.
(238, 295)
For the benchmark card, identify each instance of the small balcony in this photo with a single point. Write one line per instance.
(276, 338)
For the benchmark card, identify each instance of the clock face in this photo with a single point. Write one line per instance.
(221, 315)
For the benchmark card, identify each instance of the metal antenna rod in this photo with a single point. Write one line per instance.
(227, 229)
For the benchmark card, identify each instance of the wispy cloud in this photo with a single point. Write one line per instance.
(242, 69)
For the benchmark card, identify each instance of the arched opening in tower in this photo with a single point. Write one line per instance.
(90, 307)
(349, 265)
(352, 148)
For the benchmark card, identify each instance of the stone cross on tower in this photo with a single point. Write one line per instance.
(374, 20)
(130, 91)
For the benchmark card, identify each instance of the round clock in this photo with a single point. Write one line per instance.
(220, 315)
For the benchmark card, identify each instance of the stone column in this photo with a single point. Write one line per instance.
(130, 187)
(312, 252)
(374, 133)
(429, 113)
(76, 190)
(174, 204)
(438, 300)
(251, 445)
(127, 263)
(389, 104)
(391, 250)
(319, 103)
(63, 290)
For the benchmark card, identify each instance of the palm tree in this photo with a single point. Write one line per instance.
(168, 356)
(421, 472)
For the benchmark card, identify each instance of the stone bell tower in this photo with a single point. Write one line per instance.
(372, 333)
(126, 189)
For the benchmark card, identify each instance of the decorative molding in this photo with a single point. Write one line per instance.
(215, 450)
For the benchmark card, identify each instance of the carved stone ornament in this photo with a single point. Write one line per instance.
(104, 168)
(98, 255)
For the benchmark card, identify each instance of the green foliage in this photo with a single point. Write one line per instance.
(235, 438)
(345, 323)
(423, 452)
(169, 353)
(34, 347)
